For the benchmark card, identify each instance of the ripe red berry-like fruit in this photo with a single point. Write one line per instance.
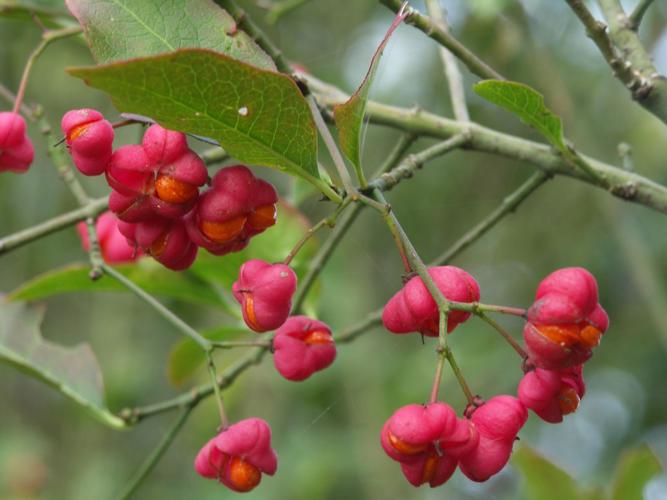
(16, 151)
(159, 178)
(239, 455)
(237, 207)
(301, 347)
(427, 440)
(566, 321)
(265, 293)
(552, 394)
(113, 244)
(412, 309)
(497, 422)
(89, 138)
(165, 240)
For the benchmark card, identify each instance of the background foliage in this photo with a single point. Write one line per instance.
(327, 429)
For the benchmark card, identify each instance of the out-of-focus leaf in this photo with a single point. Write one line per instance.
(541, 478)
(634, 470)
(73, 371)
(349, 116)
(527, 104)
(124, 29)
(186, 356)
(148, 274)
(257, 116)
(51, 13)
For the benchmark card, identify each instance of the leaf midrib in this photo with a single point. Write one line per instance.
(148, 28)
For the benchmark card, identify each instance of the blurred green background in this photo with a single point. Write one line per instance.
(326, 430)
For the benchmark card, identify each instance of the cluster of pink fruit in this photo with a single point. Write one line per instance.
(155, 193)
(564, 324)
(429, 440)
(158, 210)
(241, 453)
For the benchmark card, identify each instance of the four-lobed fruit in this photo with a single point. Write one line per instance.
(237, 207)
(89, 138)
(412, 309)
(159, 178)
(497, 421)
(239, 455)
(16, 150)
(566, 320)
(302, 346)
(265, 293)
(428, 440)
(552, 394)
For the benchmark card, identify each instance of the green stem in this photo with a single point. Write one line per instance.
(330, 143)
(438, 377)
(638, 14)
(459, 376)
(505, 334)
(649, 87)
(152, 460)
(165, 312)
(628, 186)
(246, 24)
(318, 262)
(396, 154)
(25, 236)
(192, 397)
(230, 344)
(215, 383)
(47, 38)
(432, 30)
(452, 73)
(508, 205)
(363, 326)
(414, 162)
(327, 221)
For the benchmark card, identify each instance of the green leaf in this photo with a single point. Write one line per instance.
(527, 104)
(635, 469)
(186, 356)
(541, 478)
(349, 116)
(73, 371)
(258, 116)
(124, 29)
(148, 274)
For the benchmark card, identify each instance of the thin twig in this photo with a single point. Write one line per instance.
(414, 162)
(452, 73)
(508, 205)
(505, 334)
(326, 221)
(423, 23)
(638, 14)
(47, 38)
(224, 421)
(165, 312)
(152, 460)
(25, 236)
